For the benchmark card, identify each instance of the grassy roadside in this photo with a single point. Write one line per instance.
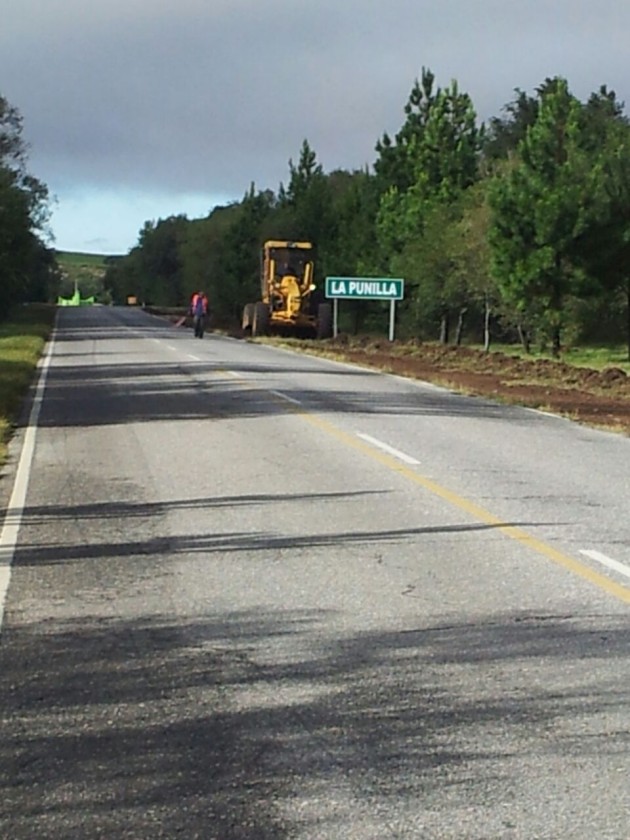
(595, 358)
(22, 339)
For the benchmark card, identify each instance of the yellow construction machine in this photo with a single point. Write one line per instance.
(289, 305)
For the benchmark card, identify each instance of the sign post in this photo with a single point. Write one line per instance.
(365, 288)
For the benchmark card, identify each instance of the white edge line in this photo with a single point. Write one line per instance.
(607, 561)
(407, 459)
(15, 510)
(285, 397)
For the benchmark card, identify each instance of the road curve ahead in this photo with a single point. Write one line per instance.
(254, 594)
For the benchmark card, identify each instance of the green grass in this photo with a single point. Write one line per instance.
(76, 259)
(22, 340)
(597, 358)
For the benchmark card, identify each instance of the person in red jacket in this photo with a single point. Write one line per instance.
(199, 312)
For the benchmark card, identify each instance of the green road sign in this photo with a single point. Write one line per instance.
(368, 288)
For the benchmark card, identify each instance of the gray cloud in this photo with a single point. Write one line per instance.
(207, 95)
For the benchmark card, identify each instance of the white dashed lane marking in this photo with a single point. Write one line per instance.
(615, 565)
(396, 453)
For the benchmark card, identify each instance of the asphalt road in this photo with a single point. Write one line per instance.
(256, 594)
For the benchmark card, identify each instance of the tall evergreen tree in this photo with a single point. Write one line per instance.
(304, 175)
(395, 166)
(541, 208)
(306, 212)
(443, 158)
(605, 246)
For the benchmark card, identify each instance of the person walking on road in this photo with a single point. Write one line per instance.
(199, 311)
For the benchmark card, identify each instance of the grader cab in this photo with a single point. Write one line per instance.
(289, 303)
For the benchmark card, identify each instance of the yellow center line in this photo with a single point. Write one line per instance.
(575, 566)
(481, 514)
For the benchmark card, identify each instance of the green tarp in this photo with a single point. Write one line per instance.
(75, 300)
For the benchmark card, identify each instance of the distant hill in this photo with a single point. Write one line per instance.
(83, 271)
(74, 258)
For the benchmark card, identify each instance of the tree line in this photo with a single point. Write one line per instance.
(517, 229)
(28, 269)
(514, 229)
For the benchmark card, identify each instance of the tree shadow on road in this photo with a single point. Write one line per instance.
(214, 726)
(219, 545)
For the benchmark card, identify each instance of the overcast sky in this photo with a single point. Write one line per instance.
(140, 109)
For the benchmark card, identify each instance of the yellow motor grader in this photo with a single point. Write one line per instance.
(289, 305)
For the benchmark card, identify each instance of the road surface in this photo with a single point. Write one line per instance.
(249, 593)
